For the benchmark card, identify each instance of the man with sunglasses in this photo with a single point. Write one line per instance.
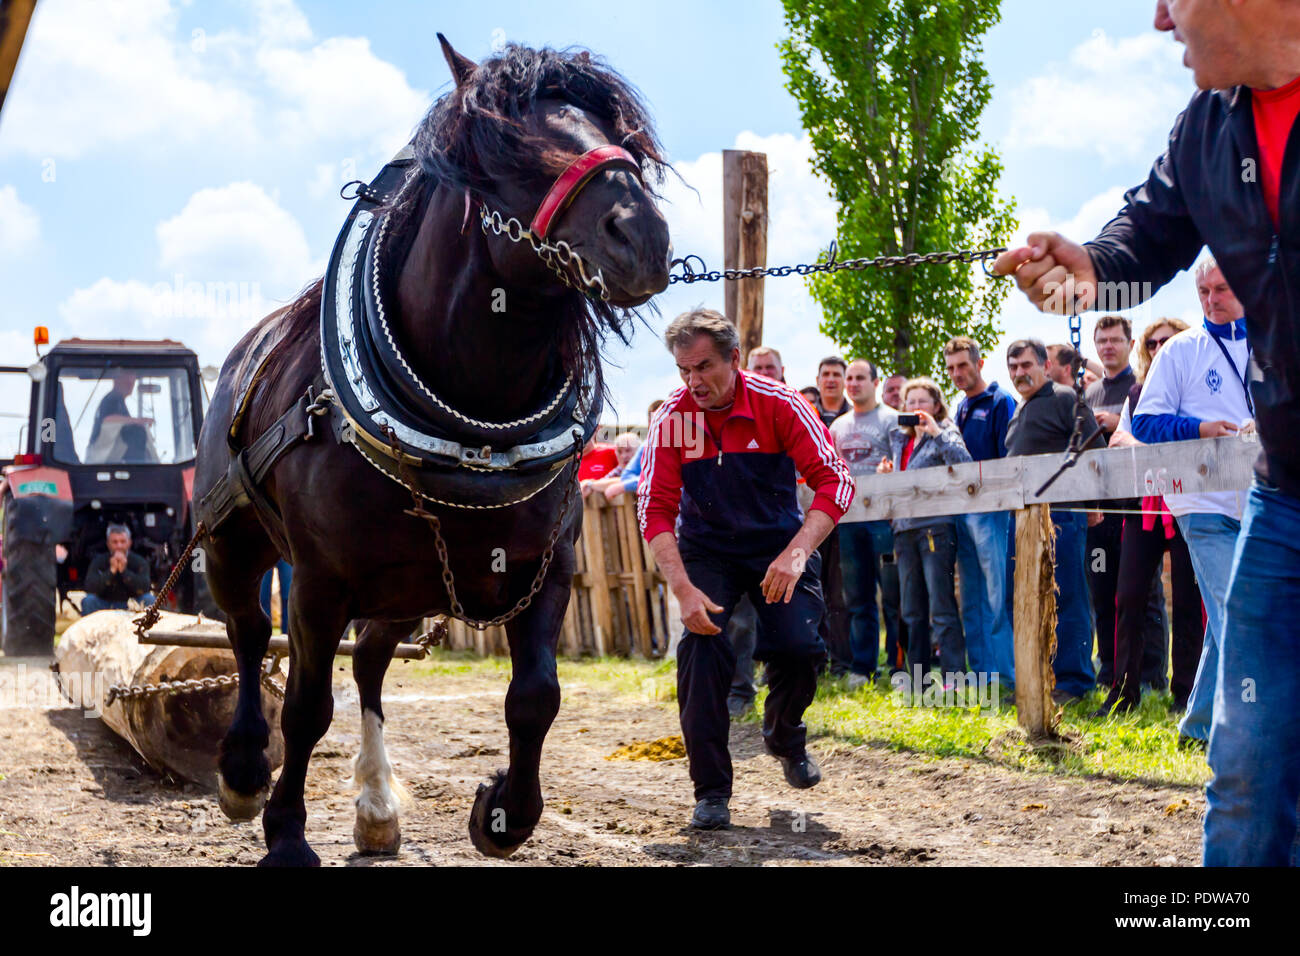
(1196, 388)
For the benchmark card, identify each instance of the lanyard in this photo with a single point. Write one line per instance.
(1233, 365)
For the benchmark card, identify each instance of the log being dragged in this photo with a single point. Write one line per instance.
(175, 733)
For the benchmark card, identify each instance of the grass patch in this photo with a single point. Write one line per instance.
(1142, 746)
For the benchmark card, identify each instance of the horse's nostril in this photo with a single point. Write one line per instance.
(614, 226)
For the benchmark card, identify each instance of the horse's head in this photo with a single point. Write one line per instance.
(515, 123)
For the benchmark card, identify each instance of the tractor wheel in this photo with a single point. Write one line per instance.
(28, 609)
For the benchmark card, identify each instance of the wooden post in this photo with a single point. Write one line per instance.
(598, 575)
(744, 241)
(1035, 620)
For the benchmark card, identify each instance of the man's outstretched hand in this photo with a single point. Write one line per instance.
(1054, 273)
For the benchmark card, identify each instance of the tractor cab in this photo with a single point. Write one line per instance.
(110, 438)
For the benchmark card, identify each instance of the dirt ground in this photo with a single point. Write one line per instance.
(74, 794)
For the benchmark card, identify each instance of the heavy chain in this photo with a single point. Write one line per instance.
(1077, 442)
(174, 688)
(966, 256)
(152, 612)
(418, 510)
(559, 256)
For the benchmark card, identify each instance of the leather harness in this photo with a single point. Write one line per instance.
(375, 401)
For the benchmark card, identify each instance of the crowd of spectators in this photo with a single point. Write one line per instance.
(938, 589)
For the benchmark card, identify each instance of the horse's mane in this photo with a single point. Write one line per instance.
(476, 135)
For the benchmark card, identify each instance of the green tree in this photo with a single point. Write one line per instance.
(891, 93)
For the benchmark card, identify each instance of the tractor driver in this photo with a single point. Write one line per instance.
(115, 578)
(717, 504)
(134, 433)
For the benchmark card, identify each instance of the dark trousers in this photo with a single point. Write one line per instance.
(1141, 559)
(927, 563)
(787, 640)
(835, 624)
(1104, 558)
(742, 631)
(891, 609)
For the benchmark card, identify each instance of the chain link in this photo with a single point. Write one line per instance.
(559, 256)
(966, 256)
(194, 685)
(154, 610)
(419, 511)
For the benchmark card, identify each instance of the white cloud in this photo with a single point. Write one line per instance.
(339, 89)
(95, 73)
(229, 257)
(19, 224)
(1116, 97)
(236, 232)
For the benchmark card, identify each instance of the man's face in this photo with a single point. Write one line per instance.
(1058, 373)
(964, 373)
(1218, 302)
(1028, 374)
(1219, 51)
(893, 387)
(624, 454)
(710, 376)
(767, 366)
(124, 382)
(1113, 347)
(858, 383)
(830, 382)
(118, 543)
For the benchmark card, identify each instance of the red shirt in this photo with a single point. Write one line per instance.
(599, 462)
(907, 452)
(1275, 113)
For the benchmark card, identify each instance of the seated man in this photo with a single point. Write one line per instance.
(116, 577)
(127, 440)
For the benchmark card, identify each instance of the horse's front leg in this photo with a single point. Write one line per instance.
(377, 829)
(317, 619)
(506, 810)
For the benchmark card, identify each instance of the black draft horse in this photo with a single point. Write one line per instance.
(499, 139)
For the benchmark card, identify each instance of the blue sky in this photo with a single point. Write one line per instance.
(147, 140)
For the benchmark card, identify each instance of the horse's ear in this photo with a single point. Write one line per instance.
(461, 66)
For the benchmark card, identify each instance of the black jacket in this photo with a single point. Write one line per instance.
(119, 585)
(1205, 191)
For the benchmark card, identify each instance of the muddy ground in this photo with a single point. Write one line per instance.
(74, 794)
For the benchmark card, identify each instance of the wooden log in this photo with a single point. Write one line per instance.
(177, 734)
(744, 241)
(1035, 621)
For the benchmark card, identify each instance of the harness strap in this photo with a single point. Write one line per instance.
(575, 176)
(249, 467)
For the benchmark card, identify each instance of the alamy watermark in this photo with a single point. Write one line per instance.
(35, 688)
(927, 688)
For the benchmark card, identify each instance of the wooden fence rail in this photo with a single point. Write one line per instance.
(620, 604)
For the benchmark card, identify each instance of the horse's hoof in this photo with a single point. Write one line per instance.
(487, 824)
(377, 837)
(238, 806)
(290, 854)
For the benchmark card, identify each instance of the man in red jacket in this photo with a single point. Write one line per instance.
(717, 503)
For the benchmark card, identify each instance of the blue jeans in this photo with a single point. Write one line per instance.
(1211, 542)
(93, 602)
(859, 567)
(284, 570)
(927, 560)
(1073, 664)
(1254, 751)
(982, 559)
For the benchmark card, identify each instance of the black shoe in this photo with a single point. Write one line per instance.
(711, 813)
(738, 707)
(801, 772)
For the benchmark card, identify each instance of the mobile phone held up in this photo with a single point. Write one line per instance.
(908, 420)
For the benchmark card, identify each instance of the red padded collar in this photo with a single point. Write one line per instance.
(578, 173)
